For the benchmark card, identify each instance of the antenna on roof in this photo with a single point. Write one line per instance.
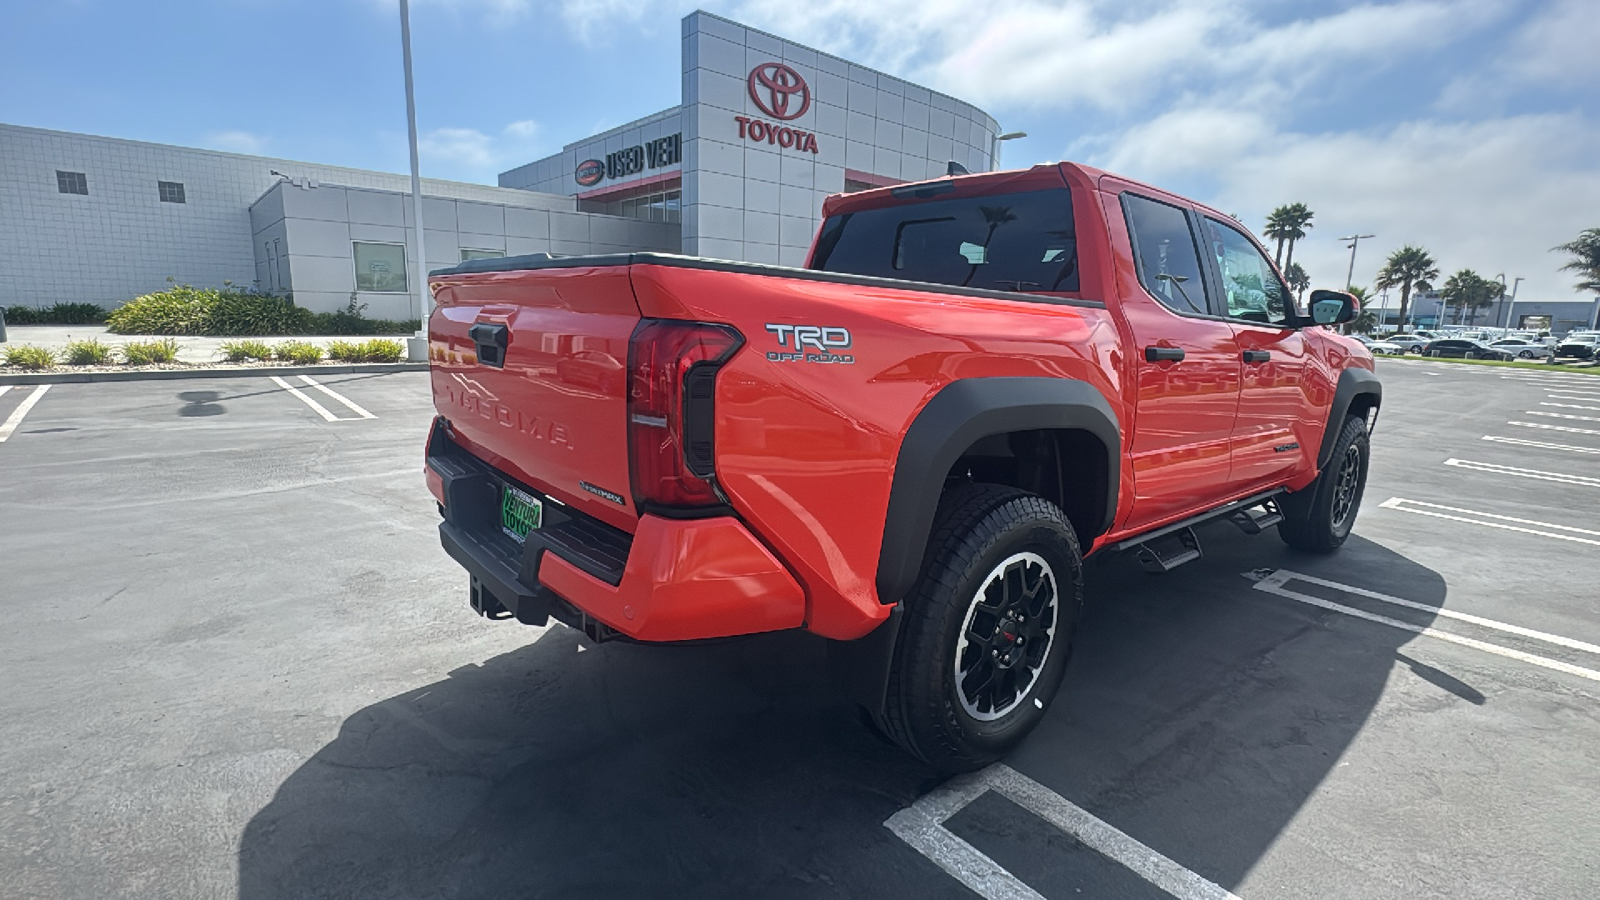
(956, 169)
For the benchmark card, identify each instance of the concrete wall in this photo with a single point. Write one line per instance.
(317, 226)
(756, 201)
(121, 241)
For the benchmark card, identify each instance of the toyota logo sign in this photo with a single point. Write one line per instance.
(779, 91)
(590, 171)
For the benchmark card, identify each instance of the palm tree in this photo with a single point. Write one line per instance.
(1409, 268)
(1298, 279)
(1585, 259)
(1469, 291)
(1288, 223)
(1366, 320)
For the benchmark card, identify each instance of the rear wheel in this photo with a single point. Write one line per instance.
(988, 628)
(1319, 517)
(1526, 354)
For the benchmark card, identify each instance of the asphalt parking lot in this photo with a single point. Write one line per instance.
(236, 662)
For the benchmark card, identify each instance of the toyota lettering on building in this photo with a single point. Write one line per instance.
(781, 93)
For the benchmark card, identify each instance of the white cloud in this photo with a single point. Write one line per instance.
(1558, 47)
(1492, 195)
(235, 141)
(470, 154)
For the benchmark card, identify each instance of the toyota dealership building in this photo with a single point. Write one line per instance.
(738, 170)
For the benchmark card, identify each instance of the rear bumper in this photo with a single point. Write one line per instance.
(675, 580)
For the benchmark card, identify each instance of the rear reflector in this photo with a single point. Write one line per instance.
(672, 371)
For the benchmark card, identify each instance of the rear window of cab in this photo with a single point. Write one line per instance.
(1023, 241)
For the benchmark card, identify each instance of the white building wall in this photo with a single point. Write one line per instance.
(755, 201)
(121, 241)
(316, 228)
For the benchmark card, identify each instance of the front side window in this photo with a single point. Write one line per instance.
(1023, 241)
(72, 182)
(467, 254)
(1165, 253)
(380, 267)
(1252, 287)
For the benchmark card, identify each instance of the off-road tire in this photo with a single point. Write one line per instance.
(977, 530)
(1319, 517)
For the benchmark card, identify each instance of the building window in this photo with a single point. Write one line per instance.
(171, 191)
(467, 254)
(72, 182)
(380, 267)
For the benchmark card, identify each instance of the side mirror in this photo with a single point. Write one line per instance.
(1333, 307)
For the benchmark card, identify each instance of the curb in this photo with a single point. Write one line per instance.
(176, 374)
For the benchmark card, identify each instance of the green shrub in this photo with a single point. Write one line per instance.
(345, 351)
(181, 310)
(149, 353)
(299, 352)
(241, 351)
(382, 350)
(27, 356)
(241, 312)
(74, 314)
(87, 353)
(59, 314)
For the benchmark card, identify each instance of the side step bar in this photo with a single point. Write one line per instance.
(1170, 546)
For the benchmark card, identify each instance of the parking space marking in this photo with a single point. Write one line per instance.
(15, 419)
(339, 397)
(1400, 504)
(921, 825)
(1546, 637)
(1554, 427)
(321, 410)
(1535, 412)
(1568, 405)
(1274, 584)
(1523, 442)
(1497, 469)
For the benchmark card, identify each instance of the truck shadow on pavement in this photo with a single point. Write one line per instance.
(1198, 716)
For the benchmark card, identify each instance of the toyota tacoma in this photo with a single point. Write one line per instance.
(907, 447)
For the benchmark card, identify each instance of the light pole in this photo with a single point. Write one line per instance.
(1355, 241)
(994, 147)
(1511, 305)
(417, 348)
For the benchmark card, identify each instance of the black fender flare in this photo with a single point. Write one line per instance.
(1353, 383)
(959, 415)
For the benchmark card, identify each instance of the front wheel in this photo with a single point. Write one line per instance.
(988, 628)
(1319, 517)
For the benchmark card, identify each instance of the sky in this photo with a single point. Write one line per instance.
(1468, 127)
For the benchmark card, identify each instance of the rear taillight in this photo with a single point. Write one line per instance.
(672, 372)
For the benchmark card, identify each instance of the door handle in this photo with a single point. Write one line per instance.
(1163, 354)
(489, 340)
(1257, 356)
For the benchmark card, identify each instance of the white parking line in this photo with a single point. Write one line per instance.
(1522, 442)
(1497, 469)
(1274, 584)
(921, 825)
(1569, 405)
(1400, 504)
(339, 397)
(1554, 427)
(321, 410)
(15, 419)
(1572, 393)
(1534, 412)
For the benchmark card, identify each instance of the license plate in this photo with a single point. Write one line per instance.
(520, 513)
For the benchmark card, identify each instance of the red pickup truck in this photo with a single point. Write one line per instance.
(907, 447)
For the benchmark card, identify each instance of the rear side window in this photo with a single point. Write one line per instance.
(1167, 255)
(1023, 241)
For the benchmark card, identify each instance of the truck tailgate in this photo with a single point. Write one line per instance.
(531, 370)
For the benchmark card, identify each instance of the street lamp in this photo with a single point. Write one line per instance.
(1355, 241)
(418, 346)
(1511, 305)
(994, 147)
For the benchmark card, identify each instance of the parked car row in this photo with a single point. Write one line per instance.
(1578, 345)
